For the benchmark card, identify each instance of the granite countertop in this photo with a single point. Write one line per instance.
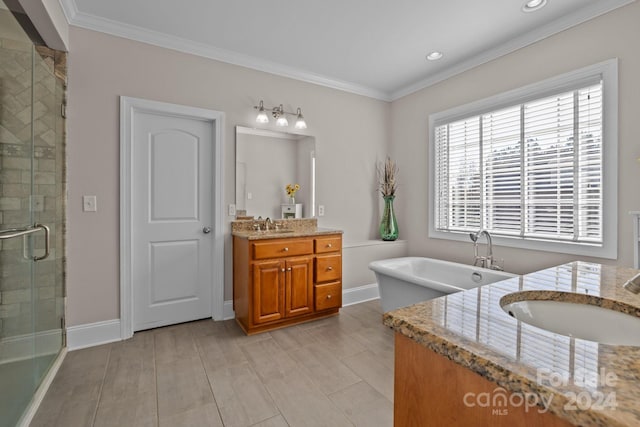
(299, 227)
(283, 234)
(583, 382)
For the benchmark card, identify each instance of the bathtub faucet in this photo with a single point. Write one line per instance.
(487, 260)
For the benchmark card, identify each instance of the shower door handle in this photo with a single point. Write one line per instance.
(21, 232)
(47, 243)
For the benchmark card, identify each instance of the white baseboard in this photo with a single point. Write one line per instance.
(21, 347)
(92, 334)
(227, 310)
(360, 294)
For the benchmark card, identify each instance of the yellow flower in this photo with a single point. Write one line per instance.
(291, 189)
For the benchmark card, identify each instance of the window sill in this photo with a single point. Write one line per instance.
(582, 249)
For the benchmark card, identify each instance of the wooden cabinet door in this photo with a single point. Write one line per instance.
(299, 287)
(268, 291)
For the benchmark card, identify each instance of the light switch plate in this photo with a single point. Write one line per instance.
(320, 210)
(89, 204)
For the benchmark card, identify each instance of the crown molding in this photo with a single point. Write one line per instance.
(119, 29)
(548, 30)
(70, 9)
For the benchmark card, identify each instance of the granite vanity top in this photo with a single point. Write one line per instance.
(306, 227)
(259, 235)
(584, 382)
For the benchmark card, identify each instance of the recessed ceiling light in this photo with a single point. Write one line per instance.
(434, 56)
(533, 5)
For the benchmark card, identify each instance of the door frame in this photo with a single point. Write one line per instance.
(128, 107)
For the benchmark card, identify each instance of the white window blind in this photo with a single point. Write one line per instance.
(530, 170)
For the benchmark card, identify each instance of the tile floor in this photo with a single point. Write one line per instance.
(331, 372)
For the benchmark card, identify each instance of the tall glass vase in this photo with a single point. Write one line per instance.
(388, 225)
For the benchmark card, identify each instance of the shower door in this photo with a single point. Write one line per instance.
(31, 217)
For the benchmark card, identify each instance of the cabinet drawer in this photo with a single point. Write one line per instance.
(328, 267)
(282, 248)
(328, 295)
(328, 244)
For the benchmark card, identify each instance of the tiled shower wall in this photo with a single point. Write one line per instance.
(32, 87)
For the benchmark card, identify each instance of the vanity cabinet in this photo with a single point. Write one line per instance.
(328, 273)
(283, 281)
(429, 386)
(282, 289)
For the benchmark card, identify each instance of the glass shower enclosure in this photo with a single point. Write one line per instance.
(32, 212)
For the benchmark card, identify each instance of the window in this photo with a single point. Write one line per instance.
(533, 166)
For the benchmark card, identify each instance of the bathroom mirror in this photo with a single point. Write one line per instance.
(266, 161)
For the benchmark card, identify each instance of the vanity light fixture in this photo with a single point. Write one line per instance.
(434, 56)
(533, 5)
(280, 115)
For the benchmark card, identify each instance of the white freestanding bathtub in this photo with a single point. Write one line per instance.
(409, 280)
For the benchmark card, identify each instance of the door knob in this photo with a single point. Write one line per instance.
(206, 230)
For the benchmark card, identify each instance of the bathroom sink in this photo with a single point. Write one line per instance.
(578, 320)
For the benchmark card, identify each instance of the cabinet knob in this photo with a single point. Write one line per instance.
(283, 270)
(329, 245)
(329, 268)
(329, 296)
(286, 249)
(289, 269)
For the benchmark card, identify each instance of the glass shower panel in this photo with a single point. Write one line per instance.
(47, 206)
(31, 192)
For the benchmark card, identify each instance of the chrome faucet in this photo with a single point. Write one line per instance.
(268, 223)
(487, 260)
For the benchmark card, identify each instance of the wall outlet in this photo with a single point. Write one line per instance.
(320, 210)
(89, 204)
(232, 210)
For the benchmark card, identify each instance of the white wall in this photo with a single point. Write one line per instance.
(351, 133)
(615, 34)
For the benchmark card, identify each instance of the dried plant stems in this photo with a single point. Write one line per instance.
(387, 175)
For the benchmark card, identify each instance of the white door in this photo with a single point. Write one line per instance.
(172, 245)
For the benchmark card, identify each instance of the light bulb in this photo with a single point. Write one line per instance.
(533, 5)
(300, 123)
(262, 115)
(282, 121)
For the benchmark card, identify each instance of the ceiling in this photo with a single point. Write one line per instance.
(371, 47)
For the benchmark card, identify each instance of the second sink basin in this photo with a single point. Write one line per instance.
(578, 320)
